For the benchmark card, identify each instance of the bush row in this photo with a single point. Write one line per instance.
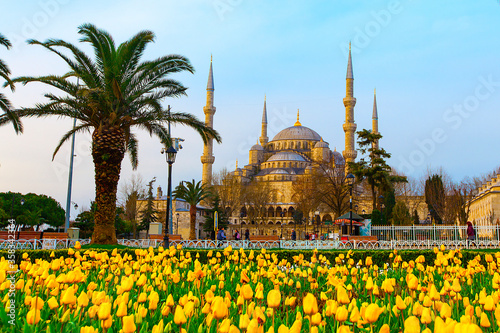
(379, 257)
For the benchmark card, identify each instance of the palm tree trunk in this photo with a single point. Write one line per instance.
(108, 150)
(192, 222)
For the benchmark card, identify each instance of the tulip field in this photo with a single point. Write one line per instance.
(169, 290)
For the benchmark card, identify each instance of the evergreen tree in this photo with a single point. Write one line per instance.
(416, 218)
(435, 197)
(377, 218)
(389, 203)
(373, 167)
(401, 214)
(149, 214)
(208, 226)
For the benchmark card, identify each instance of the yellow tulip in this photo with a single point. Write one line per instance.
(244, 321)
(296, 327)
(310, 304)
(253, 326)
(128, 325)
(233, 329)
(484, 322)
(122, 310)
(445, 311)
(412, 325)
(52, 302)
(224, 326)
(426, 316)
(489, 304)
(219, 308)
(344, 329)
(68, 297)
(273, 298)
(246, 292)
(385, 329)
(87, 329)
(316, 319)
(37, 302)
(283, 329)
(341, 314)
(104, 311)
(372, 313)
(342, 296)
(179, 316)
(400, 304)
(33, 316)
(78, 246)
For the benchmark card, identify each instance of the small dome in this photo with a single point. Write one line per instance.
(338, 158)
(321, 144)
(257, 147)
(286, 156)
(279, 172)
(297, 133)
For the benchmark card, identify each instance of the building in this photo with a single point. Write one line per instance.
(180, 215)
(485, 206)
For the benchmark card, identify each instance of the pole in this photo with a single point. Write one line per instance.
(350, 209)
(70, 179)
(169, 193)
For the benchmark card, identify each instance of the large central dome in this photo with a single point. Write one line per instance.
(297, 133)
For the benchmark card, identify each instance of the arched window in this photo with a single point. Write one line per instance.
(270, 212)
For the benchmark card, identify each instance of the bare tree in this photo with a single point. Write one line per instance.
(229, 190)
(461, 199)
(132, 190)
(331, 188)
(257, 195)
(305, 193)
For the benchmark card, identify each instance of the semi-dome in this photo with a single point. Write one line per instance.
(279, 172)
(321, 144)
(286, 156)
(297, 133)
(257, 147)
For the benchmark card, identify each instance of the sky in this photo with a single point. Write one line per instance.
(435, 66)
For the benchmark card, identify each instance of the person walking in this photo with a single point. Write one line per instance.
(237, 235)
(247, 234)
(471, 232)
(294, 235)
(221, 237)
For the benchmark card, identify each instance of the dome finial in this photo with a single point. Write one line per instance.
(236, 164)
(297, 123)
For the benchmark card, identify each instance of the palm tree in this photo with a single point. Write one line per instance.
(193, 193)
(5, 106)
(115, 92)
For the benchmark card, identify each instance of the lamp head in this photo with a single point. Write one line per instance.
(171, 153)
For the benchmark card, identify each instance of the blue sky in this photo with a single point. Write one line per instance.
(435, 65)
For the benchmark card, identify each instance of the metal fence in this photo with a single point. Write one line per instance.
(440, 233)
(481, 243)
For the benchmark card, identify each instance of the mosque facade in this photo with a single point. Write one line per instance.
(290, 155)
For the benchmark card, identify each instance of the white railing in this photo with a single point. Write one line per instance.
(51, 244)
(441, 233)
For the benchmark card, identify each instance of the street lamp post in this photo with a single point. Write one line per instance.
(350, 181)
(170, 157)
(316, 213)
(177, 224)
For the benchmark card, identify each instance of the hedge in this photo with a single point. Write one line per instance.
(379, 257)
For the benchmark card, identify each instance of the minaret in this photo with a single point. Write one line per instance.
(349, 126)
(263, 136)
(207, 158)
(375, 119)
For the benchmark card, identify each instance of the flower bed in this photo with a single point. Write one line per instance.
(178, 290)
